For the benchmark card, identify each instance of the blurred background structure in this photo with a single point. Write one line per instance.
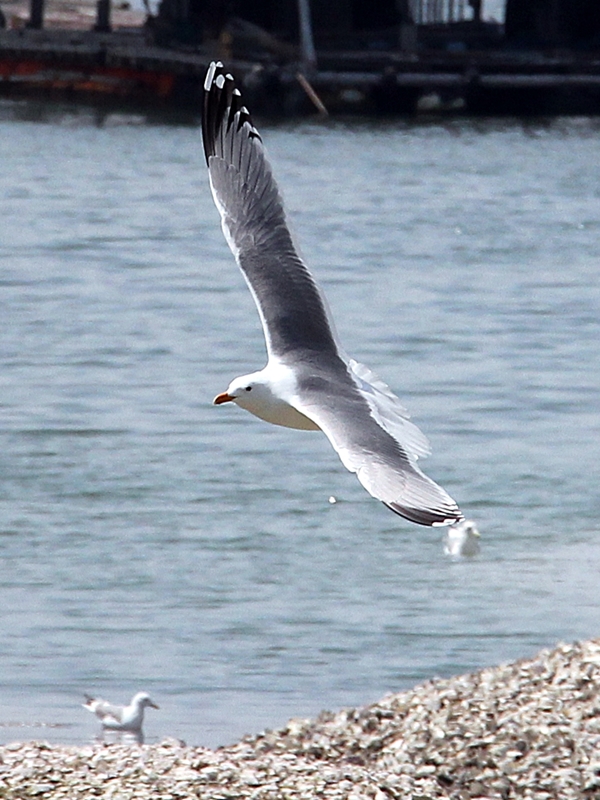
(299, 56)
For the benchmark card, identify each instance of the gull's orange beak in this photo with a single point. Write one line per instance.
(222, 398)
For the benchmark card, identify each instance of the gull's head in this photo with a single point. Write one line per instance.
(142, 700)
(265, 394)
(248, 391)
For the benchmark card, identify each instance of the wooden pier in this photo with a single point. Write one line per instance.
(472, 72)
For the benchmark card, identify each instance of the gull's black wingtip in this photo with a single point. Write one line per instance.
(222, 105)
(428, 517)
(212, 95)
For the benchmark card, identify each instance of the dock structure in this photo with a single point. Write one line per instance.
(396, 56)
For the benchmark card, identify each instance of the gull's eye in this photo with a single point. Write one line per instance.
(248, 388)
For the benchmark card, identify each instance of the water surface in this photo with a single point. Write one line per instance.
(149, 540)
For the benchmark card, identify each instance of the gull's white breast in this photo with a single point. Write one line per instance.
(277, 404)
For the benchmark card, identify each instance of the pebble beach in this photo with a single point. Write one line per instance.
(528, 729)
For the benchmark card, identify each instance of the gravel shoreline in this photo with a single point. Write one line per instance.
(529, 729)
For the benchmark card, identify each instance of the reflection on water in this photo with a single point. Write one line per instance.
(150, 541)
(102, 113)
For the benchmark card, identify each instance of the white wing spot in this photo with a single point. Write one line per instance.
(210, 75)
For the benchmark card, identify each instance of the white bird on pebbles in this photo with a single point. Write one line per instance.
(121, 719)
(308, 382)
(462, 539)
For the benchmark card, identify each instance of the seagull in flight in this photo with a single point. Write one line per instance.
(308, 383)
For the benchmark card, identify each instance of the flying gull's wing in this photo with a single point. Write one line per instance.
(292, 310)
(384, 462)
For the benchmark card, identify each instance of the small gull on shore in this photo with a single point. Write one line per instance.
(121, 719)
(522, 730)
(308, 382)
